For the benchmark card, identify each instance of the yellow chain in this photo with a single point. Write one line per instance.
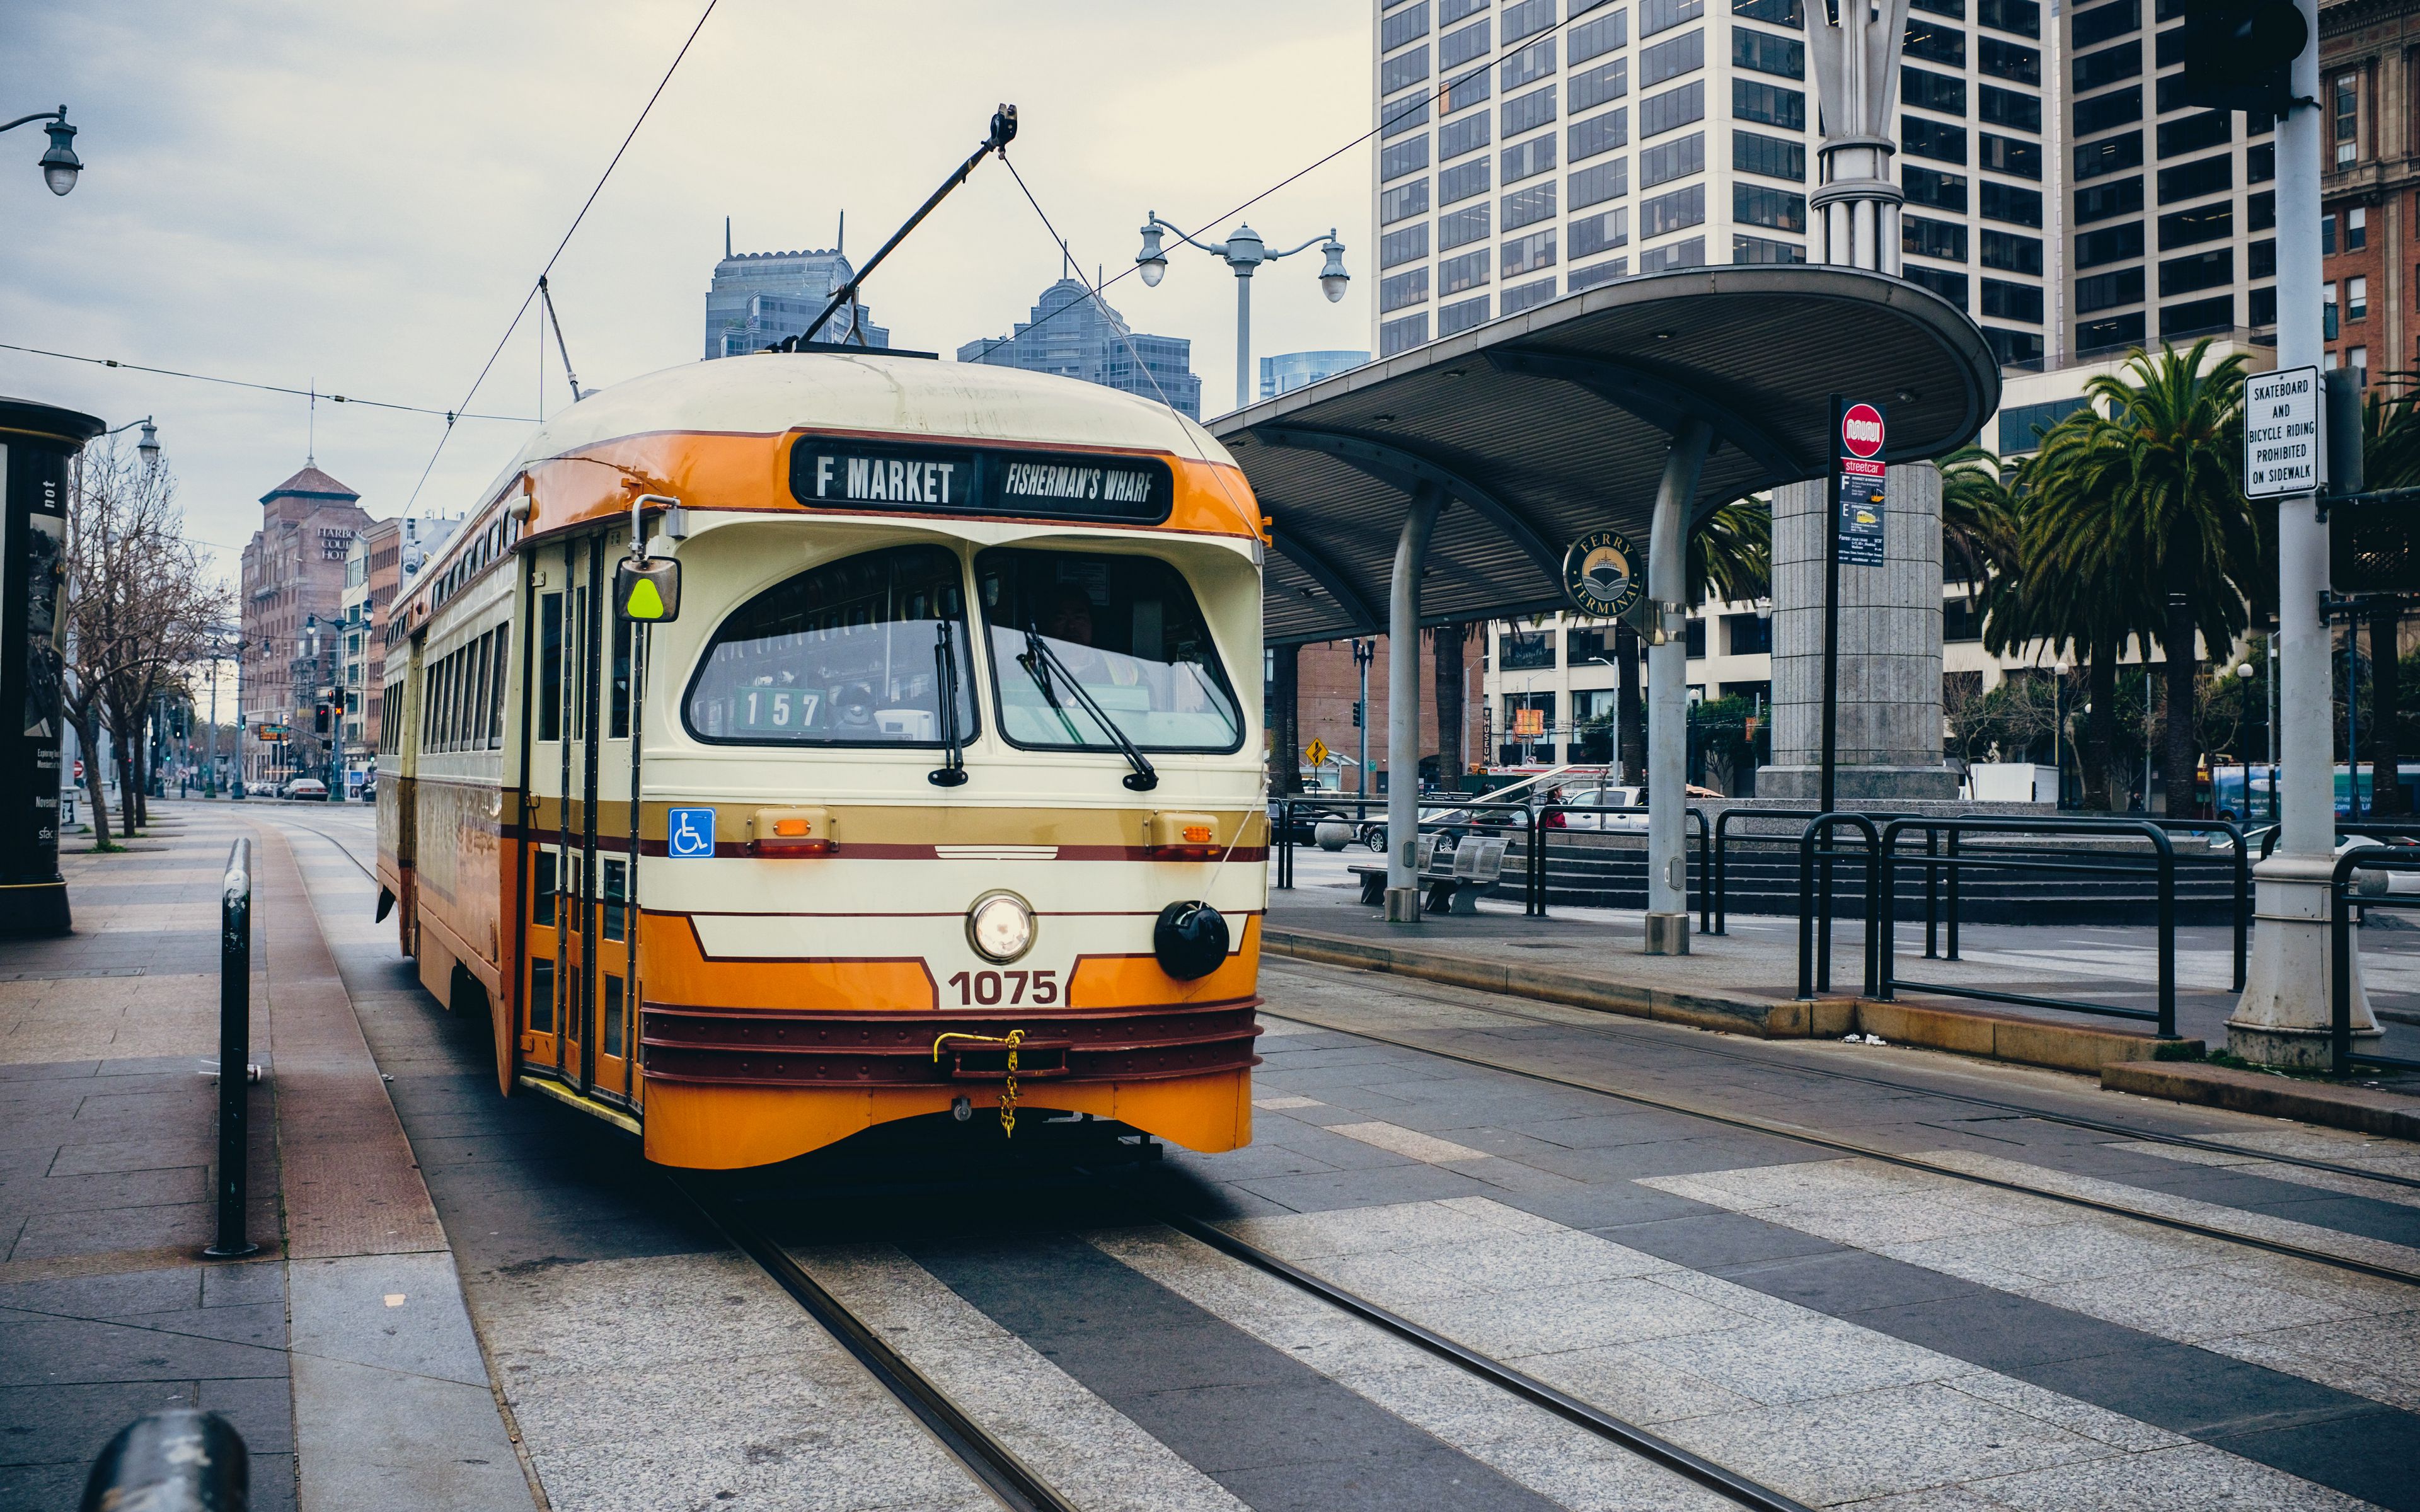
(1008, 1088)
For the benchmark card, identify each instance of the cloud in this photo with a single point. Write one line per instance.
(360, 197)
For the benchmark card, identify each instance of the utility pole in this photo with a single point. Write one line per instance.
(1363, 654)
(2282, 1019)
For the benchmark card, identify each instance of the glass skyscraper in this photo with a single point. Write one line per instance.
(1075, 334)
(760, 298)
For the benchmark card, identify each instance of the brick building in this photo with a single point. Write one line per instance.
(1329, 682)
(384, 558)
(2369, 51)
(293, 574)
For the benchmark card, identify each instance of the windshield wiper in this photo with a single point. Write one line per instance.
(1039, 662)
(952, 770)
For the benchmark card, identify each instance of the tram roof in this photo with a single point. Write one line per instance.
(1548, 425)
(871, 392)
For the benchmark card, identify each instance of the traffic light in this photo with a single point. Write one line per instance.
(2239, 54)
(319, 718)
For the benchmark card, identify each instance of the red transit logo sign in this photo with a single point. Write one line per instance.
(1861, 430)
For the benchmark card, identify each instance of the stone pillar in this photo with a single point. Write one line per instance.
(1889, 727)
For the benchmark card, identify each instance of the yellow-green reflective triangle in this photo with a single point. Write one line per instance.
(646, 603)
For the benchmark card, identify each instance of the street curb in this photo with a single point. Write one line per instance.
(1962, 1031)
(2357, 1108)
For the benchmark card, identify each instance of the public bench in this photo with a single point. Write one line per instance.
(1454, 876)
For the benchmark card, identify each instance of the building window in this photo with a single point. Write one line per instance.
(1748, 249)
(2109, 244)
(2013, 254)
(1399, 115)
(2098, 24)
(1459, 228)
(1402, 158)
(1944, 239)
(1669, 60)
(2344, 112)
(1528, 19)
(1468, 90)
(1454, 48)
(1402, 203)
(2007, 202)
(1772, 156)
(1463, 181)
(1602, 232)
(2215, 221)
(2192, 180)
(1410, 244)
(1945, 45)
(1403, 289)
(1676, 159)
(1689, 254)
(2023, 17)
(2012, 301)
(2197, 317)
(1533, 62)
(2006, 107)
(1672, 212)
(1598, 134)
(2356, 298)
(1772, 12)
(1941, 191)
(2097, 70)
(1527, 206)
(1937, 140)
(2356, 228)
(1527, 112)
(2329, 328)
(2106, 291)
(2102, 201)
(1402, 335)
(1529, 159)
(1404, 70)
(1764, 53)
(2328, 234)
(1769, 104)
(1930, 91)
(1594, 186)
(1590, 277)
(1452, 319)
(1403, 26)
(1663, 15)
(1454, 275)
(1662, 113)
(1527, 254)
(2357, 358)
(2008, 60)
(1950, 285)
(1593, 39)
(1778, 208)
(2001, 154)
(2114, 333)
(1467, 134)
(1526, 295)
(1595, 87)
(2101, 112)
(2108, 155)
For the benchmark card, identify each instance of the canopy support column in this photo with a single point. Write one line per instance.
(1667, 692)
(1403, 708)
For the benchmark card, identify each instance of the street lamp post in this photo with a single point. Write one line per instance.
(60, 164)
(1243, 251)
(1364, 652)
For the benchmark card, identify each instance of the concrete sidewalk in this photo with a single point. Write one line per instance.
(342, 1351)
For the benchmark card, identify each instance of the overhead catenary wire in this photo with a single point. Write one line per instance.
(306, 392)
(1444, 88)
(552, 257)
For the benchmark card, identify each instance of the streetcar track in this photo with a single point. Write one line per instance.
(2075, 1120)
(1774, 1128)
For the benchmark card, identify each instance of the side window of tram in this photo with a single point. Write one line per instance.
(503, 638)
(618, 724)
(847, 654)
(549, 663)
(1125, 629)
(616, 880)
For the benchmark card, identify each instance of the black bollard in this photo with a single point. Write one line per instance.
(234, 1054)
(180, 1461)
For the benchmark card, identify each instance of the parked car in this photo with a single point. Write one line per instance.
(305, 787)
(1303, 820)
(1608, 797)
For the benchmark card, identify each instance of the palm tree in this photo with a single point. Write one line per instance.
(2142, 513)
(1979, 520)
(2390, 459)
(1730, 553)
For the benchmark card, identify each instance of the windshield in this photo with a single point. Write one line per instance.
(1125, 629)
(841, 654)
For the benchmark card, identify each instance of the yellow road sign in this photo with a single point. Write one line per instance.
(1316, 752)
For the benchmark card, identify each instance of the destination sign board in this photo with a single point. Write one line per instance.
(1861, 497)
(2281, 433)
(839, 473)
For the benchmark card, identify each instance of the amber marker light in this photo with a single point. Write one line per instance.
(792, 832)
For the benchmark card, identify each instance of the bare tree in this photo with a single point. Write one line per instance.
(139, 613)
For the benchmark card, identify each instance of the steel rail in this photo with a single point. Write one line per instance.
(1776, 1130)
(1529, 1388)
(2074, 1121)
(990, 1461)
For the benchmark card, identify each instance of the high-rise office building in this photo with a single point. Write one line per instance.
(760, 298)
(1636, 137)
(1074, 333)
(1288, 371)
(2171, 214)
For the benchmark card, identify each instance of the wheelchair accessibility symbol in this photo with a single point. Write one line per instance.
(691, 835)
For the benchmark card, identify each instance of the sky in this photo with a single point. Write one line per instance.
(358, 197)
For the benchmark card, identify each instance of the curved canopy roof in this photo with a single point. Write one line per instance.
(1542, 427)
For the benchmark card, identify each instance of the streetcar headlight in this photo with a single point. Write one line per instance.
(1001, 926)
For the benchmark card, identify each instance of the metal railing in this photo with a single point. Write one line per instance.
(234, 1054)
(1532, 826)
(1815, 861)
(181, 1458)
(1958, 859)
(1719, 885)
(2340, 906)
(1691, 814)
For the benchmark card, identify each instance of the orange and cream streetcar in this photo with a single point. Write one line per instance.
(912, 743)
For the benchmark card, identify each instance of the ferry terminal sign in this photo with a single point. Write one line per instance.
(1603, 574)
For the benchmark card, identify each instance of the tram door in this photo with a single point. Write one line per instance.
(579, 1017)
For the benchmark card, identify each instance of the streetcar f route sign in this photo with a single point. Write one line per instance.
(2281, 433)
(1859, 486)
